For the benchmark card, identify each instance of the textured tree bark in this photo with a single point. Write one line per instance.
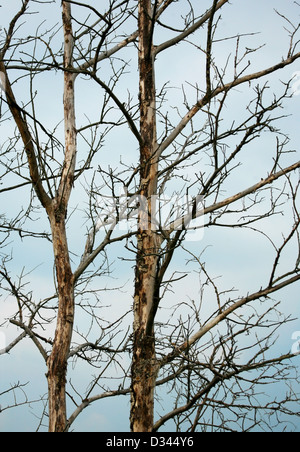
(144, 362)
(57, 362)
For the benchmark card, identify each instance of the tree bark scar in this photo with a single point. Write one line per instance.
(144, 359)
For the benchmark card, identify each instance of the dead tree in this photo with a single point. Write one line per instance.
(200, 353)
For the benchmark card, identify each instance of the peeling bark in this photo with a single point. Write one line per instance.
(57, 362)
(144, 361)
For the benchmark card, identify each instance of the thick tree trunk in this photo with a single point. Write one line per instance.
(57, 362)
(144, 361)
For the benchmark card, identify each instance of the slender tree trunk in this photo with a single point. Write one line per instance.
(57, 362)
(144, 362)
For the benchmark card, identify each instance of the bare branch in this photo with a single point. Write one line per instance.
(27, 141)
(261, 294)
(174, 41)
(30, 333)
(224, 88)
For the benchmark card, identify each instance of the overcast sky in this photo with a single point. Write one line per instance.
(175, 66)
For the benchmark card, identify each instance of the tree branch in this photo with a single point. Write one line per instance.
(208, 98)
(185, 220)
(172, 42)
(264, 293)
(30, 333)
(217, 379)
(27, 141)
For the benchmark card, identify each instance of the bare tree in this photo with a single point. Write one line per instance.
(180, 172)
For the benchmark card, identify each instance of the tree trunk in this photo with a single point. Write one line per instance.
(144, 361)
(57, 362)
